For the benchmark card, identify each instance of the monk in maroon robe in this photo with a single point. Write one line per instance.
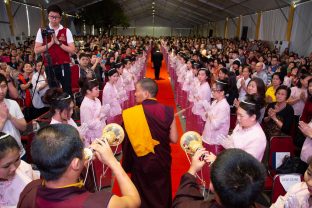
(58, 152)
(151, 173)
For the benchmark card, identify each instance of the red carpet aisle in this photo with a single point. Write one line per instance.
(165, 95)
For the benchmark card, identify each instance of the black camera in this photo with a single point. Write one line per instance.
(47, 31)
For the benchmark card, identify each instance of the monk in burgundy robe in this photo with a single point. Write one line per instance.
(150, 171)
(59, 154)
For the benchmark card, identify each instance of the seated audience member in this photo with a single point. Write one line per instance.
(11, 117)
(306, 150)
(98, 66)
(298, 96)
(260, 73)
(60, 169)
(15, 174)
(277, 80)
(84, 70)
(292, 78)
(24, 84)
(242, 83)
(223, 74)
(40, 86)
(232, 94)
(61, 106)
(237, 180)
(25, 88)
(279, 115)
(305, 117)
(256, 87)
(300, 194)
(14, 63)
(6, 71)
(307, 110)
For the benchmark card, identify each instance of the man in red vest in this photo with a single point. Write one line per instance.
(60, 46)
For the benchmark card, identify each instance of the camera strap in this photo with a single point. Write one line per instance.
(62, 67)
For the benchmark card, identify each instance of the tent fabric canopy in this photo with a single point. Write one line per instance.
(187, 13)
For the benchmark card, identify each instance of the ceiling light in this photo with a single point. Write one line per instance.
(153, 3)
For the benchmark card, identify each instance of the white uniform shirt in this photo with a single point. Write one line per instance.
(69, 35)
(8, 127)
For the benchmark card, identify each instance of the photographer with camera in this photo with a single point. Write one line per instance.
(59, 43)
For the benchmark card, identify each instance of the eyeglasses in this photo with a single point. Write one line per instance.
(215, 90)
(54, 17)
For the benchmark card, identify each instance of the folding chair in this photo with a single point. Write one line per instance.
(278, 144)
(74, 78)
(233, 119)
(278, 189)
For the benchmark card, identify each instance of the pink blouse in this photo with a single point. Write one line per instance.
(128, 80)
(120, 86)
(93, 115)
(70, 122)
(188, 80)
(110, 97)
(297, 196)
(298, 106)
(218, 121)
(251, 140)
(202, 96)
(10, 190)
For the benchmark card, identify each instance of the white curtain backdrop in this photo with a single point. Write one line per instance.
(273, 25)
(220, 29)
(247, 21)
(20, 19)
(301, 37)
(232, 27)
(5, 29)
(34, 19)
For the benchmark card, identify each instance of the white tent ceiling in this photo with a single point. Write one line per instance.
(182, 12)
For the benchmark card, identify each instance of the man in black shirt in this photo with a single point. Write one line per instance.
(157, 60)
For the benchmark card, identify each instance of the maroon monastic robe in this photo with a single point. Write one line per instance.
(36, 195)
(151, 173)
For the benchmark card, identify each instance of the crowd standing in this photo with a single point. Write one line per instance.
(268, 91)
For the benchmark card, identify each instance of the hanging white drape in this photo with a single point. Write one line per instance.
(34, 19)
(5, 27)
(232, 27)
(273, 25)
(301, 36)
(220, 29)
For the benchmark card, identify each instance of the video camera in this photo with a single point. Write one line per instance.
(47, 31)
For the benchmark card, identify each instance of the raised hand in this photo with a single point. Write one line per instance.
(197, 162)
(305, 129)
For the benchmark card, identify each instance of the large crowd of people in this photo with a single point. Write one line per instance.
(269, 92)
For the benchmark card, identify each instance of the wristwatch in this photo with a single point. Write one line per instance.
(60, 43)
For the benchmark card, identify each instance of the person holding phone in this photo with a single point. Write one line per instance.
(97, 64)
